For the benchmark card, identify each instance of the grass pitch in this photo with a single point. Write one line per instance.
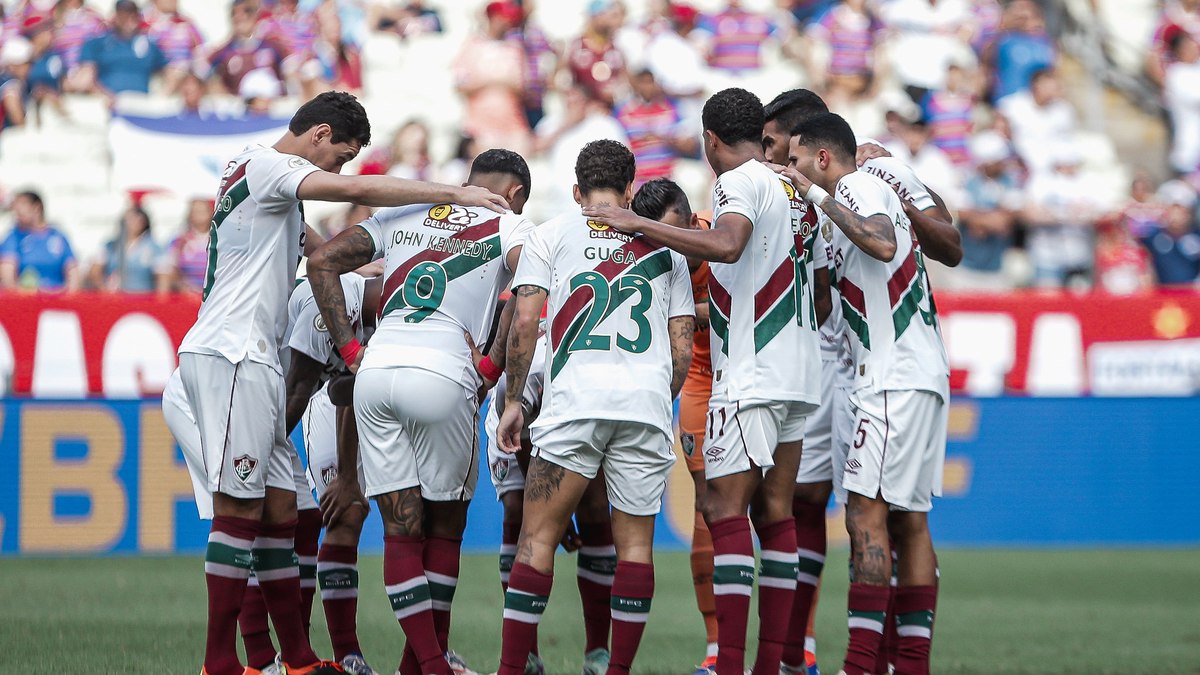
(999, 612)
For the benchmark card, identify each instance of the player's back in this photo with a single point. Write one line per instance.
(444, 268)
(307, 332)
(610, 299)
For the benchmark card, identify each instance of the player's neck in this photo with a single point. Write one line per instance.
(604, 198)
(834, 176)
(737, 155)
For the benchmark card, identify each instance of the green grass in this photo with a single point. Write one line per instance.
(1000, 612)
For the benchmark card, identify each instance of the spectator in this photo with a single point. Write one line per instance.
(583, 119)
(407, 20)
(458, 167)
(1020, 50)
(406, 157)
(46, 74)
(929, 35)
(74, 25)
(130, 261)
(15, 56)
(35, 254)
(337, 222)
(184, 264)
(1039, 117)
(246, 50)
(296, 32)
(541, 61)
(1122, 264)
(258, 90)
(1181, 96)
(950, 114)
(593, 61)
(340, 60)
(675, 60)
(987, 16)
(805, 12)
(927, 161)
(653, 124)
(1060, 216)
(1177, 15)
(734, 37)
(122, 59)
(1175, 248)
(853, 36)
(988, 217)
(177, 37)
(1144, 213)
(489, 73)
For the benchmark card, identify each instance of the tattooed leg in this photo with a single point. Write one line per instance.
(551, 494)
(866, 521)
(403, 513)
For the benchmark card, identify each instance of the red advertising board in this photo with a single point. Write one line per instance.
(119, 346)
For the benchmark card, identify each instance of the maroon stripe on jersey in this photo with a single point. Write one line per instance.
(902, 277)
(396, 278)
(233, 179)
(781, 279)
(640, 247)
(853, 295)
(718, 295)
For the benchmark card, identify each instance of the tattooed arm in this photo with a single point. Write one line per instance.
(348, 251)
(522, 341)
(723, 243)
(875, 234)
(681, 329)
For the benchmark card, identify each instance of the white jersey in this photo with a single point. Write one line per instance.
(445, 267)
(764, 332)
(610, 298)
(307, 332)
(531, 397)
(254, 246)
(890, 320)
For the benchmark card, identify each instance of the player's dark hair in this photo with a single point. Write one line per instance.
(735, 116)
(498, 160)
(604, 165)
(654, 199)
(341, 111)
(829, 131)
(793, 107)
(33, 197)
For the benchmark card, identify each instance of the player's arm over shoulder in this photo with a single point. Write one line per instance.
(930, 217)
(859, 209)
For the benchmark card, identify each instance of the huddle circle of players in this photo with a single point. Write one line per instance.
(796, 324)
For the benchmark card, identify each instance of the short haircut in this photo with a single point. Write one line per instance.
(33, 197)
(341, 111)
(735, 116)
(654, 199)
(793, 107)
(829, 131)
(498, 160)
(604, 165)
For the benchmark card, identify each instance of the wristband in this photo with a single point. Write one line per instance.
(350, 351)
(816, 194)
(489, 370)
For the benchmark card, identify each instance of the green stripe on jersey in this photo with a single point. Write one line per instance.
(857, 323)
(719, 323)
(770, 325)
(230, 201)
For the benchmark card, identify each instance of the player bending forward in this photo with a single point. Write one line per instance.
(415, 394)
(898, 398)
(229, 361)
(620, 317)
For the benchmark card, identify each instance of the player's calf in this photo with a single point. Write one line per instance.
(808, 513)
(916, 593)
(866, 522)
(597, 563)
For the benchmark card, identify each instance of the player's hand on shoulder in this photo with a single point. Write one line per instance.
(793, 176)
(472, 195)
(868, 151)
(342, 495)
(509, 431)
(619, 219)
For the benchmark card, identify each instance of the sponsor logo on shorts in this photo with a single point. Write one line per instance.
(500, 470)
(715, 452)
(852, 466)
(244, 467)
(688, 441)
(328, 473)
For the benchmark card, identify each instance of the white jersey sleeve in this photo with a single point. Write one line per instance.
(514, 230)
(374, 225)
(276, 180)
(682, 303)
(866, 198)
(534, 266)
(901, 178)
(732, 193)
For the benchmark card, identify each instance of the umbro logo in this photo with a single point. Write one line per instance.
(715, 452)
(852, 466)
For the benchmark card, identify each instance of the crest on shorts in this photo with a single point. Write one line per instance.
(328, 474)
(244, 467)
(688, 442)
(500, 470)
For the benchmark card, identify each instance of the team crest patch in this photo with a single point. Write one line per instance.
(500, 470)
(297, 162)
(328, 474)
(244, 467)
(688, 441)
(319, 324)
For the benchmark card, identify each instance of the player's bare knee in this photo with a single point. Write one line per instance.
(445, 519)
(514, 506)
(237, 507)
(908, 526)
(279, 506)
(813, 493)
(593, 507)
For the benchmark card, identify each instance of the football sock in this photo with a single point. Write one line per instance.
(810, 544)
(226, 568)
(887, 646)
(733, 583)
(914, 607)
(278, 574)
(702, 573)
(632, 591)
(337, 572)
(441, 569)
(408, 590)
(867, 607)
(524, 602)
(509, 533)
(308, 536)
(597, 562)
(776, 590)
(256, 628)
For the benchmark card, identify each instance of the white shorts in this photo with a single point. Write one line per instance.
(636, 458)
(897, 447)
(742, 435)
(319, 424)
(178, 415)
(506, 472)
(417, 429)
(816, 462)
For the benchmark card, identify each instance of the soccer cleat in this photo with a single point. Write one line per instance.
(595, 662)
(707, 667)
(534, 665)
(355, 664)
(318, 668)
(457, 665)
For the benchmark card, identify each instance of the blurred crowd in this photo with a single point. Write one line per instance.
(970, 93)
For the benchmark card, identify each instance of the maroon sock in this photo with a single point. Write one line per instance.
(776, 590)
(337, 570)
(524, 602)
(441, 569)
(509, 533)
(810, 545)
(867, 607)
(914, 607)
(408, 590)
(256, 629)
(733, 583)
(227, 564)
(632, 591)
(308, 537)
(279, 577)
(596, 565)
(887, 646)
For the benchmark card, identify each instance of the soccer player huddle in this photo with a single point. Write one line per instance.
(798, 324)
